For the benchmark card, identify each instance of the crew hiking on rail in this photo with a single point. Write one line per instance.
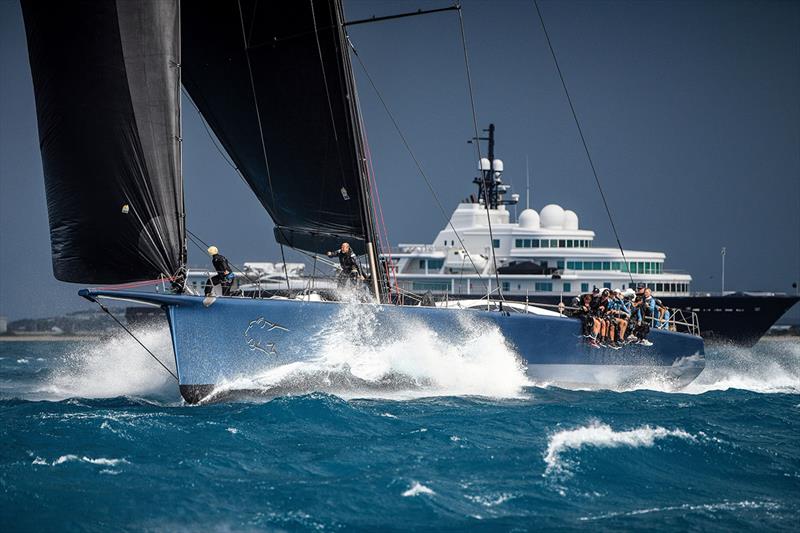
(348, 261)
(224, 276)
(613, 318)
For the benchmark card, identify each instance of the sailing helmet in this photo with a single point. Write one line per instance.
(212, 250)
(629, 293)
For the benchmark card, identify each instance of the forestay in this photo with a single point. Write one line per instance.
(107, 86)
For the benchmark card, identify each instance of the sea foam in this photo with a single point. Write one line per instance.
(117, 366)
(69, 458)
(601, 435)
(771, 366)
(417, 489)
(355, 357)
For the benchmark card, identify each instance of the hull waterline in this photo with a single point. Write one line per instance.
(221, 344)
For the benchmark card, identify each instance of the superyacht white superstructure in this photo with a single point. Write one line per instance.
(543, 253)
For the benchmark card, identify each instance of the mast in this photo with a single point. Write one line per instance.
(372, 251)
(490, 182)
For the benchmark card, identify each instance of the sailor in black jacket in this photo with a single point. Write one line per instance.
(224, 275)
(349, 263)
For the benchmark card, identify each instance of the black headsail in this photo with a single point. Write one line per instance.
(107, 85)
(274, 81)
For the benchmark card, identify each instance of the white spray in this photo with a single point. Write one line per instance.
(356, 358)
(117, 366)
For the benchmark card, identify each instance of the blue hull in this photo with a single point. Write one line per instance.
(233, 338)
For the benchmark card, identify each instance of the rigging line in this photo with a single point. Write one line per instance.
(371, 187)
(297, 250)
(383, 231)
(225, 158)
(285, 272)
(214, 140)
(258, 115)
(478, 150)
(260, 126)
(197, 241)
(160, 247)
(194, 238)
(583, 139)
(104, 308)
(255, 102)
(391, 277)
(325, 84)
(416, 162)
(367, 160)
(330, 110)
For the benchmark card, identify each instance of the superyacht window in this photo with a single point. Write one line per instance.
(435, 264)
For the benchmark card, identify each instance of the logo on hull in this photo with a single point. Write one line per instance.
(252, 338)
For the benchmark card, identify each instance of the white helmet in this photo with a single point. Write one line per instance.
(629, 293)
(212, 250)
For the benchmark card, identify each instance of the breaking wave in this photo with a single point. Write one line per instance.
(599, 435)
(413, 361)
(70, 458)
(771, 366)
(117, 366)
(417, 489)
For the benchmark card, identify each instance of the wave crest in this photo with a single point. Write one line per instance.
(601, 435)
(358, 358)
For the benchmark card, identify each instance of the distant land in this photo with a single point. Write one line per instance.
(77, 324)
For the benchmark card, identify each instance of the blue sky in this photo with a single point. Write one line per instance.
(691, 111)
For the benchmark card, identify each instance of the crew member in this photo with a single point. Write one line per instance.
(583, 311)
(619, 311)
(348, 260)
(224, 276)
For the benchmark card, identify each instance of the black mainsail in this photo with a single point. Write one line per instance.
(274, 82)
(107, 86)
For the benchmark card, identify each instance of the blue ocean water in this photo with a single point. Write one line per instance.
(94, 437)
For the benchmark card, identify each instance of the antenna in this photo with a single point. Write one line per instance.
(527, 184)
(722, 253)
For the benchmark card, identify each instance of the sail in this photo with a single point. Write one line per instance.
(273, 81)
(107, 87)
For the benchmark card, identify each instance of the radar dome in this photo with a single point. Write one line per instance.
(529, 219)
(484, 164)
(552, 216)
(570, 220)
